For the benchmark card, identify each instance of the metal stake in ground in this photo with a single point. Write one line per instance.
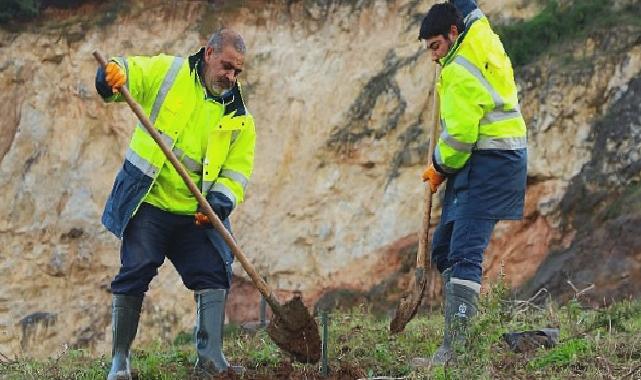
(262, 312)
(409, 304)
(324, 361)
(295, 331)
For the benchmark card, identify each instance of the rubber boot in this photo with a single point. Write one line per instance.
(124, 323)
(445, 278)
(210, 319)
(443, 349)
(461, 300)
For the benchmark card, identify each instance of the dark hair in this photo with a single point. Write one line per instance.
(439, 20)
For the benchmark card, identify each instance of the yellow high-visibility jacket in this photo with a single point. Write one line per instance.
(479, 104)
(170, 92)
(483, 144)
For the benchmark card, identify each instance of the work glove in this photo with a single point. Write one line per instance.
(433, 177)
(221, 205)
(115, 77)
(201, 220)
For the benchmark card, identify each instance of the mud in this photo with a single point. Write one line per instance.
(298, 335)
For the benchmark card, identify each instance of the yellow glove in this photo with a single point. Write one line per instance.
(434, 178)
(115, 77)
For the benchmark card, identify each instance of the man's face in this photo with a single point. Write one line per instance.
(222, 68)
(439, 45)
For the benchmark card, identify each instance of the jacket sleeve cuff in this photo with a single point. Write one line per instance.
(222, 205)
(438, 168)
(102, 87)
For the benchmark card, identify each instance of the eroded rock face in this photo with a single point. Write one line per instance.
(602, 208)
(341, 94)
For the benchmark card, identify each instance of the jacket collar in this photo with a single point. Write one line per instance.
(453, 50)
(232, 99)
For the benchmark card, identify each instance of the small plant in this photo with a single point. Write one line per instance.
(561, 356)
(184, 338)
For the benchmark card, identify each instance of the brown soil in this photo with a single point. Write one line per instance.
(285, 371)
(298, 334)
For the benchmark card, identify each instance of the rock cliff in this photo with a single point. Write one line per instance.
(341, 94)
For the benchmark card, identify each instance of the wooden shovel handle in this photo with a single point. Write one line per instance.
(421, 257)
(261, 285)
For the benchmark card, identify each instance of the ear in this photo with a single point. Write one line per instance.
(209, 52)
(454, 32)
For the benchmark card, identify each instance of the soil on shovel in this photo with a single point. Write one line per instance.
(298, 335)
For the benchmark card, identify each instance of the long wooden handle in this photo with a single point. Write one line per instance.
(261, 285)
(421, 256)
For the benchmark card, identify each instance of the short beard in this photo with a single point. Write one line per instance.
(218, 90)
(215, 90)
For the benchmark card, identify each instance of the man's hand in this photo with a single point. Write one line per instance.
(434, 178)
(115, 77)
(201, 219)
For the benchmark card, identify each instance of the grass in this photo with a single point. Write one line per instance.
(594, 344)
(626, 203)
(18, 9)
(559, 23)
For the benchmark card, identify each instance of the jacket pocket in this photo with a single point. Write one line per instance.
(128, 189)
(461, 180)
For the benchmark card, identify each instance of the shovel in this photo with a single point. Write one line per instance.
(293, 329)
(409, 304)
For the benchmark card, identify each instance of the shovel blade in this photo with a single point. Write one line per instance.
(296, 333)
(408, 307)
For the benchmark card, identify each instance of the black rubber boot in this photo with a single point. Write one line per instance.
(441, 352)
(210, 319)
(124, 323)
(445, 278)
(461, 300)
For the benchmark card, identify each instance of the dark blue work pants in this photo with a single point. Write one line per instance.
(153, 234)
(459, 244)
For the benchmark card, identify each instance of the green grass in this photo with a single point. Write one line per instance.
(558, 24)
(26, 10)
(562, 355)
(594, 343)
(18, 9)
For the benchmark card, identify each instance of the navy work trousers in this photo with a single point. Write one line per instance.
(153, 234)
(459, 244)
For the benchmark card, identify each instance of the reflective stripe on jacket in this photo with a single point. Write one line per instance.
(171, 94)
(482, 146)
(479, 104)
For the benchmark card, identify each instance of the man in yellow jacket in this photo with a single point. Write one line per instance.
(197, 106)
(481, 153)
